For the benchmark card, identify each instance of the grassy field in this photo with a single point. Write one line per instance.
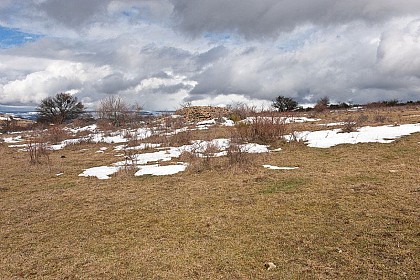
(348, 212)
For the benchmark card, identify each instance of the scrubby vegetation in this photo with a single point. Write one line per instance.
(346, 212)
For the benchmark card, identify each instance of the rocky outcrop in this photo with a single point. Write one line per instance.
(201, 113)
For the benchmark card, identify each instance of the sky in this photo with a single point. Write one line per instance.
(161, 54)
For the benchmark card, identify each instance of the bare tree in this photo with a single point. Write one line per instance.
(114, 109)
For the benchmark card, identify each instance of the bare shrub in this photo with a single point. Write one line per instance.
(179, 139)
(379, 118)
(262, 129)
(202, 156)
(349, 126)
(56, 134)
(209, 153)
(130, 161)
(172, 123)
(237, 155)
(105, 125)
(322, 104)
(114, 109)
(37, 149)
(241, 111)
(362, 119)
(82, 121)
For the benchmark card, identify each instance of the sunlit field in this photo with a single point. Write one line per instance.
(172, 199)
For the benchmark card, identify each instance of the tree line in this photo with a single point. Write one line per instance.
(65, 107)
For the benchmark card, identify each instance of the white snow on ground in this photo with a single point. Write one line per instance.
(100, 172)
(113, 138)
(332, 124)
(64, 144)
(102, 150)
(272, 167)
(368, 134)
(11, 140)
(199, 148)
(142, 146)
(228, 122)
(151, 157)
(207, 122)
(159, 170)
(254, 148)
(280, 119)
(109, 139)
(91, 128)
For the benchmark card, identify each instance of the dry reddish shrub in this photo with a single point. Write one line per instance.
(56, 134)
(261, 130)
(37, 147)
(349, 126)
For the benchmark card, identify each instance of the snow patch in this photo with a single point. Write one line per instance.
(100, 172)
(368, 134)
(273, 167)
(159, 170)
(11, 140)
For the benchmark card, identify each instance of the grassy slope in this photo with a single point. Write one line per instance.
(343, 214)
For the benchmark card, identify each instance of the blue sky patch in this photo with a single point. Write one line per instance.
(11, 37)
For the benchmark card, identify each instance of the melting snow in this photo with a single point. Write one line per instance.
(272, 167)
(159, 170)
(16, 139)
(91, 128)
(207, 122)
(281, 119)
(332, 124)
(199, 148)
(368, 134)
(142, 146)
(102, 150)
(100, 172)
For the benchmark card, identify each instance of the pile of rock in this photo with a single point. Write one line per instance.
(201, 113)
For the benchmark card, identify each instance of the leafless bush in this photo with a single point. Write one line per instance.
(130, 163)
(262, 129)
(349, 126)
(362, 119)
(56, 134)
(37, 149)
(241, 111)
(172, 123)
(179, 139)
(114, 109)
(237, 155)
(322, 104)
(81, 122)
(380, 118)
(202, 156)
(105, 125)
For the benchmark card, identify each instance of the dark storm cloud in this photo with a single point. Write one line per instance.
(163, 51)
(260, 18)
(73, 13)
(171, 88)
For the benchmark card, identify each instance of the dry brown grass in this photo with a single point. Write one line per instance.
(349, 212)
